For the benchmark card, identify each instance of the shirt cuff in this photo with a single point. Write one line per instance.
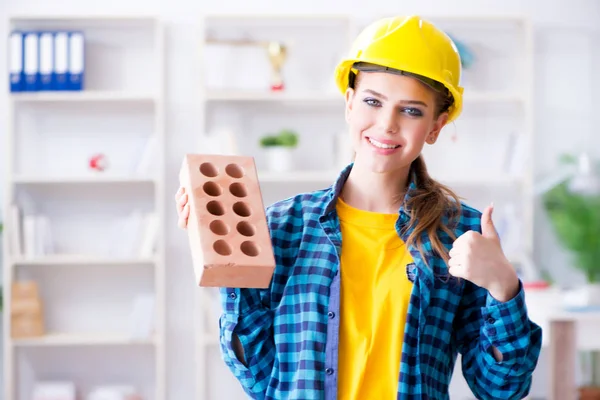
(505, 320)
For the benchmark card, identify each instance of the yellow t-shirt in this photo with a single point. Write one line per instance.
(375, 293)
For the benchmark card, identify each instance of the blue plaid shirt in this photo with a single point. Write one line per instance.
(290, 331)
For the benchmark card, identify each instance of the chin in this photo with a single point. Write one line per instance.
(379, 168)
(374, 165)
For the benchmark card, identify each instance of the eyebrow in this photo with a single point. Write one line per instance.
(416, 102)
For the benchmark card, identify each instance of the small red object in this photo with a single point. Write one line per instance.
(277, 87)
(98, 162)
(536, 285)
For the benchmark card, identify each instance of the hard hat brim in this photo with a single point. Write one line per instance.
(342, 75)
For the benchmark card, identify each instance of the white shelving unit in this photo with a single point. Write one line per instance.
(480, 164)
(89, 281)
(87, 96)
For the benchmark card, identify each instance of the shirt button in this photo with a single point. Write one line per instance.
(331, 314)
(491, 320)
(329, 371)
(232, 295)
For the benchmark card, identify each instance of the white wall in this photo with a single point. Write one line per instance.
(567, 54)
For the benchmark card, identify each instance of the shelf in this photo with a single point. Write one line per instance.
(106, 179)
(325, 176)
(64, 260)
(329, 176)
(577, 316)
(82, 96)
(475, 180)
(266, 96)
(66, 339)
(91, 212)
(83, 22)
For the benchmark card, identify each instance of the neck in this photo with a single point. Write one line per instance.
(376, 192)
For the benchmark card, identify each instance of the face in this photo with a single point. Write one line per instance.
(390, 118)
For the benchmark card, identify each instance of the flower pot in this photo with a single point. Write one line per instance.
(279, 158)
(587, 295)
(592, 291)
(589, 393)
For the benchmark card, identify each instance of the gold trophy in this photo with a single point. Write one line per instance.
(277, 54)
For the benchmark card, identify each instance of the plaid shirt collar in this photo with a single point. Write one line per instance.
(338, 185)
(433, 269)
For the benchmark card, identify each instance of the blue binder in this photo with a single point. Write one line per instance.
(61, 60)
(31, 61)
(46, 60)
(15, 61)
(76, 61)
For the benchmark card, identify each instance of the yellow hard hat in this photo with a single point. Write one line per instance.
(408, 44)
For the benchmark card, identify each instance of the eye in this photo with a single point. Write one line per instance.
(372, 102)
(413, 112)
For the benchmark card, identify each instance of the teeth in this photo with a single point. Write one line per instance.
(382, 145)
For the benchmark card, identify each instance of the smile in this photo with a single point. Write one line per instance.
(382, 145)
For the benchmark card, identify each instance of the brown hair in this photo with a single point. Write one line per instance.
(433, 207)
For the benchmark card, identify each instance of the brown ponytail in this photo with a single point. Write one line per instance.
(433, 208)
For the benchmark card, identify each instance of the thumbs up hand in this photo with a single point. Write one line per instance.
(478, 258)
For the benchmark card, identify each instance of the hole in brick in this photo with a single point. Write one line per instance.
(209, 169)
(242, 209)
(234, 170)
(212, 189)
(238, 189)
(249, 248)
(222, 247)
(215, 208)
(246, 229)
(219, 227)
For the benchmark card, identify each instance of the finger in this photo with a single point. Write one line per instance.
(465, 240)
(455, 262)
(456, 271)
(182, 203)
(455, 251)
(459, 241)
(179, 192)
(183, 217)
(457, 268)
(488, 229)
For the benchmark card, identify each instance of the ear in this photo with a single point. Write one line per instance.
(432, 136)
(349, 97)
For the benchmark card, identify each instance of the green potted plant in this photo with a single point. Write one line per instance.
(279, 148)
(575, 217)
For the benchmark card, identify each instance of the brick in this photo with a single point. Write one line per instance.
(227, 227)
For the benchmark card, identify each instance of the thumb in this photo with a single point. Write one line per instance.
(488, 230)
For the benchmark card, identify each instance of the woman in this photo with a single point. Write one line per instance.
(383, 278)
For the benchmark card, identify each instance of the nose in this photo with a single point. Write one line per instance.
(389, 122)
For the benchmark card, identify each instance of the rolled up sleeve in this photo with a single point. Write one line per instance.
(485, 323)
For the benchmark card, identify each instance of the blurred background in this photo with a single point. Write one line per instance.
(101, 101)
